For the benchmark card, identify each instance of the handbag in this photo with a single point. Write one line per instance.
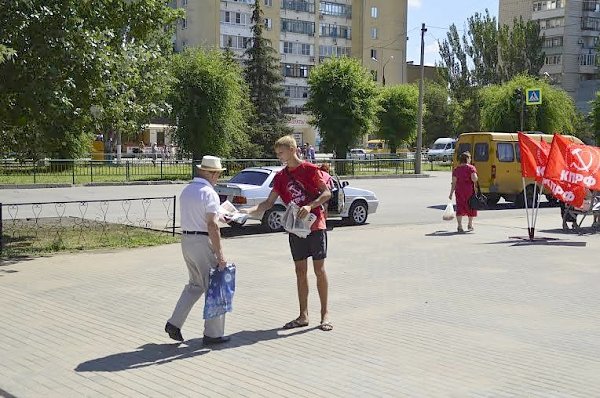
(478, 201)
(219, 295)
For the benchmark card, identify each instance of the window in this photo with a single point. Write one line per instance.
(250, 178)
(184, 2)
(505, 152)
(481, 152)
(374, 12)
(269, 3)
(295, 70)
(335, 9)
(553, 59)
(373, 54)
(299, 5)
(235, 42)
(296, 91)
(556, 41)
(463, 148)
(184, 23)
(268, 23)
(297, 26)
(373, 33)
(374, 74)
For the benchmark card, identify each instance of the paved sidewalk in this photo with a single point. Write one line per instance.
(418, 311)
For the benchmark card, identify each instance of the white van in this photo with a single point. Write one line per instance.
(442, 149)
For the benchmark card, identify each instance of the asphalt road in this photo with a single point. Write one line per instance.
(402, 200)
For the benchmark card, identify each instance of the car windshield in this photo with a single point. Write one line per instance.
(438, 146)
(250, 178)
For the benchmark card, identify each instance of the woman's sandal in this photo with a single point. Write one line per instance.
(460, 230)
(296, 323)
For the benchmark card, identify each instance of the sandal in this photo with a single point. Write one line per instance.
(296, 323)
(326, 326)
(460, 230)
(470, 228)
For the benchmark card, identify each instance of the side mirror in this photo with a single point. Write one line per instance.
(345, 184)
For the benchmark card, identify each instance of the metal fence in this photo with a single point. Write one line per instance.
(38, 227)
(80, 171)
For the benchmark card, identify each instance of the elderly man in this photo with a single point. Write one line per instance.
(201, 248)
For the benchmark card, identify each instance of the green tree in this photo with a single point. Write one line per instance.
(454, 67)
(207, 102)
(595, 118)
(439, 115)
(482, 48)
(500, 109)
(263, 75)
(343, 103)
(65, 52)
(397, 115)
(520, 49)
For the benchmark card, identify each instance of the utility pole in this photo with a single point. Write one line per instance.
(420, 116)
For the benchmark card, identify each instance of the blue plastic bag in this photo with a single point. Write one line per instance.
(219, 296)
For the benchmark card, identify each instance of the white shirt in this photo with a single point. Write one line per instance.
(195, 201)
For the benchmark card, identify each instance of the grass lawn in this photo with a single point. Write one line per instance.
(29, 237)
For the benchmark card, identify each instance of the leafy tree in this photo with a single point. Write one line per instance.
(264, 77)
(65, 55)
(343, 102)
(500, 109)
(454, 66)
(482, 48)
(206, 101)
(520, 48)
(397, 115)
(595, 118)
(439, 113)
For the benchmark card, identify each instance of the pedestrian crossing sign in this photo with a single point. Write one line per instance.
(534, 96)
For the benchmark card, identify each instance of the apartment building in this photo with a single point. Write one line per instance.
(571, 29)
(305, 32)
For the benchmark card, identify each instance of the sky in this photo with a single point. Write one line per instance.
(438, 15)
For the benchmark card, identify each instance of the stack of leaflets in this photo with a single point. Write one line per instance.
(296, 225)
(228, 213)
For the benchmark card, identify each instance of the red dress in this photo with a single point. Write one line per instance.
(464, 189)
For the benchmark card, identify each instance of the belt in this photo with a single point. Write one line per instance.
(195, 233)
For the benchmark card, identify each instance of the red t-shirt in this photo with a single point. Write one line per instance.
(307, 176)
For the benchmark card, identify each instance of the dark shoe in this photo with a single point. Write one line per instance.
(174, 332)
(215, 340)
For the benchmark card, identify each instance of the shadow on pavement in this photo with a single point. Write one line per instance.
(447, 233)
(257, 229)
(499, 206)
(158, 354)
(538, 242)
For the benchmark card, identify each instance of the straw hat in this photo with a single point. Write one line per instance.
(210, 163)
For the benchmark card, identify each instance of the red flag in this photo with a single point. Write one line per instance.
(564, 184)
(534, 155)
(573, 163)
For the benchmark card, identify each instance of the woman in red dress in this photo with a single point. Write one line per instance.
(464, 178)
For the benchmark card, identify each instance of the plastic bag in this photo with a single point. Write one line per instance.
(218, 298)
(449, 212)
(296, 225)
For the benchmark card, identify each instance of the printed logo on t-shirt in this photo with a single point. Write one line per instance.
(297, 193)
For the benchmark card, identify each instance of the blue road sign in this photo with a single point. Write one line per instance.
(533, 96)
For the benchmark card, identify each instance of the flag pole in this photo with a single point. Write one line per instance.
(526, 209)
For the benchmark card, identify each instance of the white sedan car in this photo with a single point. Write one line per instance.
(253, 185)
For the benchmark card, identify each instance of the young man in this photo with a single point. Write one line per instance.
(302, 183)
(201, 248)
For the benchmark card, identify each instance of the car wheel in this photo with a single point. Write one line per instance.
(271, 220)
(358, 213)
(444, 158)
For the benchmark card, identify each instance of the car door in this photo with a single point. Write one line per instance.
(337, 196)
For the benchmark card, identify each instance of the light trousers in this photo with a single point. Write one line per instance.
(199, 258)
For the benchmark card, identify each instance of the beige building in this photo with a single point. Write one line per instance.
(571, 30)
(305, 32)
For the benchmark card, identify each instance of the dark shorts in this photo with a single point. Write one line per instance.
(314, 245)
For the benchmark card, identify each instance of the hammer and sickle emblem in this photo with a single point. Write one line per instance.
(581, 165)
